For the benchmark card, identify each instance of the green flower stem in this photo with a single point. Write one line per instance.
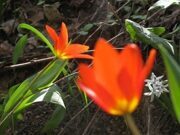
(131, 124)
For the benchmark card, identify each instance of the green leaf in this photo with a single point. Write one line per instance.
(38, 34)
(10, 92)
(83, 33)
(12, 89)
(19, 116)
(137, 32)
(157, 30)
(179, 55)
(164, 4)
(141, 17)
(173, 73)
(55, 119)
(33, 84)
(49, 76)
(87, 27)
(18, 50)
(1, 109)
(85, 30)
(50, 95)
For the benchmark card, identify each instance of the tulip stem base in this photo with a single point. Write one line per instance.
(131, 124)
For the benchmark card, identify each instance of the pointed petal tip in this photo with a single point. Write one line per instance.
(151, 58)
(101, 44)
(132, 46)
(63, 36)
(52, 33)
(153, 52)
(63, 26)
(47, 26)
(101, 41)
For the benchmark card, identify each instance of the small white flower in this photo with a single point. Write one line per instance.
(156, 86)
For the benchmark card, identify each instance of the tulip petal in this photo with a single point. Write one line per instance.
(132, 62)
(52, 33)
(63, 36)
(76, 49)
(86, 56)
(106, 67)
(86, 74)
(100, 95)
(126, 84)
(104, 101)
(147, 68)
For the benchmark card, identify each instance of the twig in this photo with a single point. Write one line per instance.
(114, 12)
(90, 123)
(154, 14)
(122, 6)
(28, 63)
(92, 34)
(121, 33)
(97, 10)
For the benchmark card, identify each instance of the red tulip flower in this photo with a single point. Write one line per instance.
(63, 49)
(116, 80)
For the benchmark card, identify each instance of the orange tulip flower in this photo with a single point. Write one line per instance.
(63, 49)
(116, 80)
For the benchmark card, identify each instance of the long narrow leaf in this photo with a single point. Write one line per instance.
(173, 72)
(18, 50)
(37, 33)
(55, 119)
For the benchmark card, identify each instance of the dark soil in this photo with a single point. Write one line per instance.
(151, 117)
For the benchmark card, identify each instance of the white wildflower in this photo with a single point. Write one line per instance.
(156, 86)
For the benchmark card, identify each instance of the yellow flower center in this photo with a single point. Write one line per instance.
(124, 106)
